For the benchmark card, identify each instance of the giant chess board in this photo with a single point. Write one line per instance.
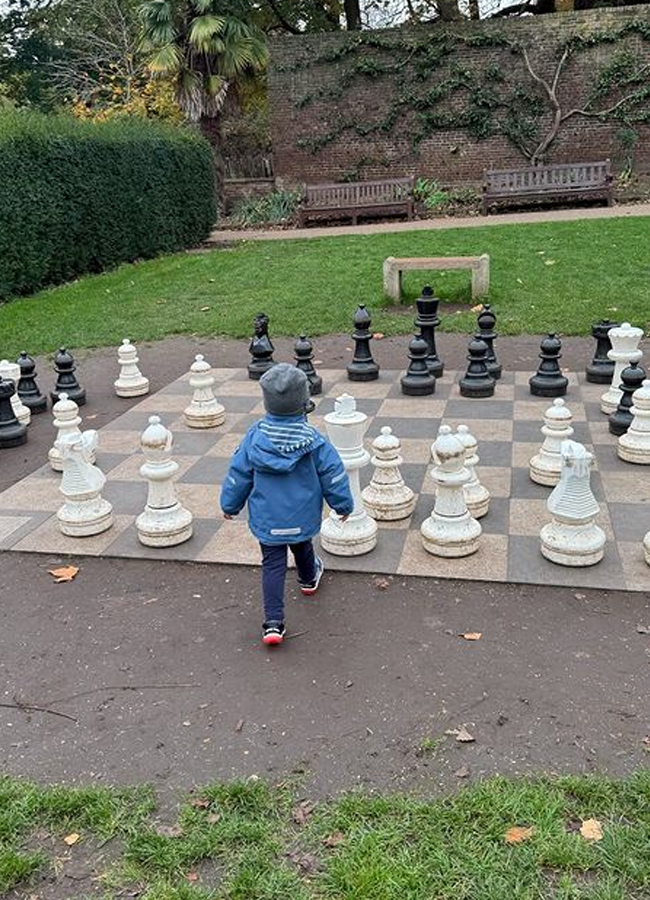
(507, 427)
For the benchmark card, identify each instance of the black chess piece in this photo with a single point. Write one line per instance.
(363, 367)
(418, 380)
(27, 388)
(304, 356)
(632, 378)
(601, 369)
(549, 380)
(427, 320)
(260, 348)
(12, 432)
(486, 321)
(477, 381)
(66, 382)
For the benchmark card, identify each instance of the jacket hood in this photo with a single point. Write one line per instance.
(278, 442)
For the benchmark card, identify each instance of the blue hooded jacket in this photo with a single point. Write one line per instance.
(284, 468)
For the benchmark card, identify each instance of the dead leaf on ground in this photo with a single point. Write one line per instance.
(71, 839)
(382, 584)
(192, 876)
(463, 772)
(478, 308)
(472, 635)
(334, 839)
(64, 573)
(519, 833)
(204, 308)
(302, 811)
(306, 862)
(643, 629)
(378, 335)
(200, 802)
(240, 725)
(461, 734)
(212, 818)
(172, 831)
(591, 830)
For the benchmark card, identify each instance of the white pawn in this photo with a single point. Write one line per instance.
(164, 522)
(546, 466)
(130, 382)
(387, 497)
(204, 410)
(477, 496)
(66, 421)
(634, 444)
(625, 349)
(85, 512)
(346, 427)
(573, 538)
(11, 372)
(450, 530)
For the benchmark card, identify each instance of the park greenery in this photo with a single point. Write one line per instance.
(558, 276)
(569, 838)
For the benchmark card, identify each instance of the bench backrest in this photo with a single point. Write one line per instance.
(536, 178)
(358, 193)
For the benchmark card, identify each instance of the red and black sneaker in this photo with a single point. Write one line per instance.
(310, 587)
(273, 633)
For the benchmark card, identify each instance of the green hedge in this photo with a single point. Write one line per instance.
(81, 197)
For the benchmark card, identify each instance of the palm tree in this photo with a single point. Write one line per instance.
(207, 52)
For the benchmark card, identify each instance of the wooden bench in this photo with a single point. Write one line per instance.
(393, 196)
(480, 266)
(578, 181)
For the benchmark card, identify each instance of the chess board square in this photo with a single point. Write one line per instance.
(155, 404)
(384, 558)
(196, 442)
(495, 522)
(628, 486)
(26, 523)
(496, 479)
(235, 388)
(522, 452)
(487, 564)
(484, 429)
(631, 521)
(120, 441)
(232, 543)
(425, 428)
(127, 544)
(129, 469)
(495, 453)
(607, 458)
(361, 390)
(34, 493)
(9, 526)
(137, 420)
(226, 445)
(503, 391)
(369, 407)
(411, 407)
(207, 470)
(534, 410)
(48, 535)
(528, 517)
(413, 450)
(202, 499)
(412, 473)
(463, 408)
(442, 391)
(593, 410)
(637, 571)
(527, 566)
(109, 461)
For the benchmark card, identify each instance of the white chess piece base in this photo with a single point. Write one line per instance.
(84, 518)
(572, 545)
(646, 547)
(164, 527)
(477, 498)
(135, 388)
(208, 416)
(449, 537)
(354, 537)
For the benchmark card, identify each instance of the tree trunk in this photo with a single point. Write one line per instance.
(448, 10)
(474, 11)
(352, 14)
(211, 130)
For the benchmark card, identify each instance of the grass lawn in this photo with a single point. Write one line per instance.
(545, 276)
(250, 841)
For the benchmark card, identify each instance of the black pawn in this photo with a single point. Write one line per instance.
(477, 381)
(260, 348)
(363, 367)
(549, 380)
(418, 380)
(601, 369)
(632, 378)
(12, 432)
(304, 356)
(427, 321)
(486, 321)
(27, 388)
(66, 383)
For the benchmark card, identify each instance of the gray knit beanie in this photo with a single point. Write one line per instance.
(285, 389)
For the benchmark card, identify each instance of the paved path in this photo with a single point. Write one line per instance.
(219, 237)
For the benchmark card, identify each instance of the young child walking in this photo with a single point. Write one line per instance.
(284, 468)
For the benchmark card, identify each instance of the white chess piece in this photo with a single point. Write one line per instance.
(477, 496)
(204, 410)
(573, 538)
(625, 349)
(387, 497)
(130, 382)
(450, 530)
(346, 427)
(85, 512)
(646, 547)
(164, 522)
(634, 444)
(546, 466)
(66, 421)
(11, 372)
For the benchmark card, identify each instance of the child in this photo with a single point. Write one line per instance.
(284, 468)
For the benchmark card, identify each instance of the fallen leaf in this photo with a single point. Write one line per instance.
(212, 818)
(382, 584)
(580, 596)
(643, 629)
(192, 876)
(200, 803)
(306, 862)
(461, 734)
(348, 685)
(71, 839)
(334, 839)
(591, 830)
(302, 811)
(240, 725)
(519, 833)
(378, 335)
(65, 573)
(203, 309)
(549, 262)
(172, 831)
(471, 635)
(90, 418)
(463, 772)
(478, 308)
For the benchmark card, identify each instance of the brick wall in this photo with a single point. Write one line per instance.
(299, 85)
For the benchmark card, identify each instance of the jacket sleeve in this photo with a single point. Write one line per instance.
(334, 480)
(238, 482)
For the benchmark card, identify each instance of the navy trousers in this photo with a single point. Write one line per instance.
(274, 572)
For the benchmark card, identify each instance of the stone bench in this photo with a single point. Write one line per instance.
(479, 265)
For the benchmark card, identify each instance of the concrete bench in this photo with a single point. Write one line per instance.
(479, 265)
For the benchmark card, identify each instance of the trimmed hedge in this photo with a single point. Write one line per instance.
(81, 197)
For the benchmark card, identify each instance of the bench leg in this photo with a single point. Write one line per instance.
(392, 282)
(481, 278)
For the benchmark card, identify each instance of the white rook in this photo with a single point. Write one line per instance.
(387, 497)
(346, 427)
(130, 382)
(164, 522)
(625, 349)
(546, 466)
(85, 512)
(11, 372)
(204, 410)
(66, 421)
(573, 538)
(450, 530)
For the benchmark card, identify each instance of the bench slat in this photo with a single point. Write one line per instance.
(539, 182)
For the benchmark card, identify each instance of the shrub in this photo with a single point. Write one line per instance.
(275, 208)
(82, 196)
